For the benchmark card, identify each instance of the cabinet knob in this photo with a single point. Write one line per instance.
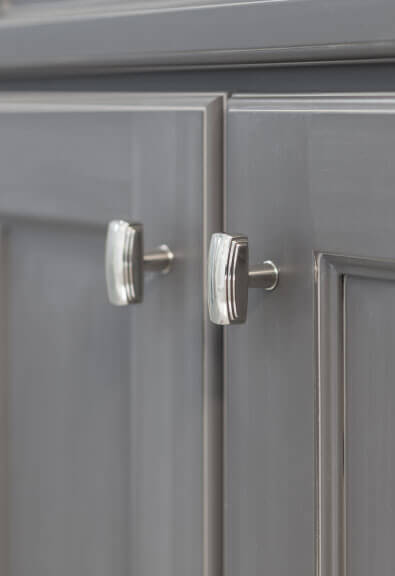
(229, 277)
(126, 262)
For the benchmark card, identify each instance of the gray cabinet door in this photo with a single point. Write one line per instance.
(310, 414)
(110, 417)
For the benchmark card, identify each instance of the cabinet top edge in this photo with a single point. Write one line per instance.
(191, 34)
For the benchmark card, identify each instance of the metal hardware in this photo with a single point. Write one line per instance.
(229, 278)
(126, 262)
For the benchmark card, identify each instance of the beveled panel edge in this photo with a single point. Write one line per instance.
(330, 277)
(5, 483)
(320, 103)
(222, 33)
(213, 346)
(62, 101)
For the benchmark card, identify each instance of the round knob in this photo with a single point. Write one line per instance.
(126, 262)
(229, 277)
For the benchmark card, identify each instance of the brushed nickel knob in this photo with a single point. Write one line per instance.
(229, 277)
(126, 262)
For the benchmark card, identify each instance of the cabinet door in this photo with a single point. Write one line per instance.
(310, 415)
(110, 417)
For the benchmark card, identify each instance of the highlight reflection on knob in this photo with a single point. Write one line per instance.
(126, 262)
(229, 278)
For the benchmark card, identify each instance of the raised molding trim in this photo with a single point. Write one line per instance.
(331, 273)
(124, 35)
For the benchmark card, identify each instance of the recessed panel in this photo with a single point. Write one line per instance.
(68, 407)
(370, 426)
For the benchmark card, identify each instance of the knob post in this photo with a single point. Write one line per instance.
(265, 276)
(160, 260)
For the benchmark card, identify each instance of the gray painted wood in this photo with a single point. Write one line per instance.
(306, 176)
(206, 33)
(110, 462)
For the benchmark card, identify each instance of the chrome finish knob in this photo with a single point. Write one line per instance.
(126, 262)
(229, 277)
